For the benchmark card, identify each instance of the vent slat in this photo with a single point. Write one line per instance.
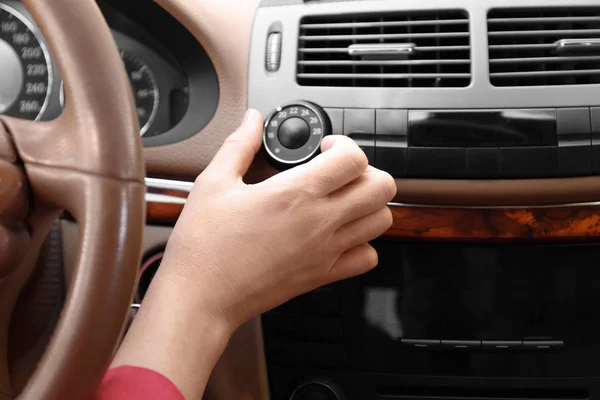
(525, 74)
(571, 33)
(548, 60)
(384, 62)
(541, 20)
(384, 76)
(383, 24)
(441, 55)
(523, 49)
(419, 49)
(385, 36)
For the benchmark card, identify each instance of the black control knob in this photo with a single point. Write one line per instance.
(318, 389)
(293, 133)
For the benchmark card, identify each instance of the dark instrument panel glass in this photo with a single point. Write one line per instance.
(508, 128)
(169, 72)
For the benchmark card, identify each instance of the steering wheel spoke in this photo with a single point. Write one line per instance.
(89, 162)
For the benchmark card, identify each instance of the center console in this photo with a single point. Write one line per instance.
(456, 99)
(462, 321)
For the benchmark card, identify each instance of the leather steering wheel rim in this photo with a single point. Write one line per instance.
(89, 162)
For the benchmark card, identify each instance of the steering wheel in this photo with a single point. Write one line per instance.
(89, 162)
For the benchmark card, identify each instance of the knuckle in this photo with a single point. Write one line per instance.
(386, 184)
(371, 257)
(387, 218)
(357, 158)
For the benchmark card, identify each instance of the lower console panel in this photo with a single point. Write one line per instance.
(446, 322)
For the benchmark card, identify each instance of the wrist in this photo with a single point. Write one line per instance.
(176, 335)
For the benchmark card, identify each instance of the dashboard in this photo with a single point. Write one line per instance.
(173, 82)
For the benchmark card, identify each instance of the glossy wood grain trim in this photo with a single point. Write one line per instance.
(561, 223)
(568, 223)
(163, 206)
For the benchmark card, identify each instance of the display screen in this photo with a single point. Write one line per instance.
(506, 128)
(455, 292)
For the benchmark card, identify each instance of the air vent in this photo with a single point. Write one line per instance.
(544, 47)
(385, 50)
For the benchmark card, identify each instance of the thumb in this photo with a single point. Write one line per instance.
(235, 156)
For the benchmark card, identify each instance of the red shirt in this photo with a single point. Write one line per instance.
(135, 383)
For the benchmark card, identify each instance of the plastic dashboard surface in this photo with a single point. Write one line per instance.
(268, 90)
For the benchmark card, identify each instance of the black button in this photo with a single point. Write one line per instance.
(336, 117)
(575, 161)
(359, 125)
(420, 344)
(501, 345)
(393, 123)
(461, 344)
(391, 159)
(483, 163)
(359, 120)
(293, 133)
(279, 324)
(573, 125)
(529, 162)
(436, 162)
(366, 141)
(595, 116)
(543, 346)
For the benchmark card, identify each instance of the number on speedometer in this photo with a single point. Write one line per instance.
(25, 67)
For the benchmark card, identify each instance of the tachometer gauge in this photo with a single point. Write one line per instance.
(145, 89)
(25, 68)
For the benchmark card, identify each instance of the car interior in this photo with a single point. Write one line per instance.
(486, 113)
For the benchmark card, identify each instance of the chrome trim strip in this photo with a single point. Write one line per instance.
(186, 186)
(163, 198)
(378, 49)
(168, 184)
(438, 206)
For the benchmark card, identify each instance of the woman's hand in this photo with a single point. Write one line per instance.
(239, 250)
(249, 248)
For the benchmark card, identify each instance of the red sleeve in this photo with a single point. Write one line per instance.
(135, 383)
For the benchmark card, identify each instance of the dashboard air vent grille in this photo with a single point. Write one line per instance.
(425, 49)
(545, 46)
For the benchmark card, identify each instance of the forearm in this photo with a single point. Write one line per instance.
(175, 337)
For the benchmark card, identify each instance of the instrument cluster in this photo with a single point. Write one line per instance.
(31, 87)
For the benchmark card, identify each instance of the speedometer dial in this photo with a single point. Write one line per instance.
(25, 69)
(144, 87)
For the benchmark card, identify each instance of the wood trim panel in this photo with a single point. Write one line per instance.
(578, 223)
(163, 212)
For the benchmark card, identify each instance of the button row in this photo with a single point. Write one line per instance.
(485, 345)
(383, 136)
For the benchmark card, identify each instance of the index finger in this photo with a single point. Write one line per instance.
(340, 163)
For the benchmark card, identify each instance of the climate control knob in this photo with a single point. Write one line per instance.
(293, 133)
(318, 389)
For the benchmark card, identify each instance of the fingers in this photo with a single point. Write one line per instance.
(341, 162)
(356, 261)
(363, 230)
(367, 194)
(235, 156)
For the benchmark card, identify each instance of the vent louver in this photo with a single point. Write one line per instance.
(439, 44)
(544, 47)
